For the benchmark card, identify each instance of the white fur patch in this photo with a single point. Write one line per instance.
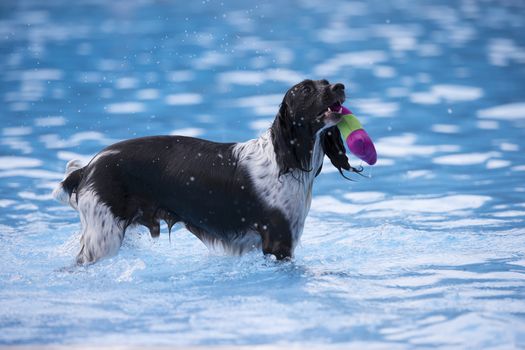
(292, 192)
(102, 232)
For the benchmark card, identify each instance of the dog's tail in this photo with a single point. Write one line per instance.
(66, 190)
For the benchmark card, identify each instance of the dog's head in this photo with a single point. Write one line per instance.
(309, 110)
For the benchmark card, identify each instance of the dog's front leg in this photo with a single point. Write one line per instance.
(277, 238)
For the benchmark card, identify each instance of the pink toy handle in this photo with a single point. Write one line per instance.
(345, 111)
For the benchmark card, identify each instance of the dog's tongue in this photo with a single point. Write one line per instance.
(336, 107)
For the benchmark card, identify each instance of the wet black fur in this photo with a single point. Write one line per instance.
(200, 183)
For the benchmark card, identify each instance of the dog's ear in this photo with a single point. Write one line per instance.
(285, 122)
(282, 134)
(334, 148)
(290, 150)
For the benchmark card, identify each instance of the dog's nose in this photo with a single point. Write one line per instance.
(337, 87)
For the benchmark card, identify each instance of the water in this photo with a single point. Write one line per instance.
(427, 252)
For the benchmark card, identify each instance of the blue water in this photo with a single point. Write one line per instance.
(427, 251)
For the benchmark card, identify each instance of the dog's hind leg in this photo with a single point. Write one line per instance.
(102, 232)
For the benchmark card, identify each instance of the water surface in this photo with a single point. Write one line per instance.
(427, 251)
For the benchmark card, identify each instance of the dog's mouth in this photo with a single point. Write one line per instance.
(337, 107)
(333, 113)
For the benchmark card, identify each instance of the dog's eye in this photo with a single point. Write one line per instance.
(307, 89)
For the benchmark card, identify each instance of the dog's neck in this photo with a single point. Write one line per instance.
(291, 191)
(311, 155)
(295, 152)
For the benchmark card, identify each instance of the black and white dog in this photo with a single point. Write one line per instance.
(238, 196)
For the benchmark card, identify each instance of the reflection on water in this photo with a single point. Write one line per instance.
(425, 251)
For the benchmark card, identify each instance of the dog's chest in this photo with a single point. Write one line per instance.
(291, 193)
(293, 198)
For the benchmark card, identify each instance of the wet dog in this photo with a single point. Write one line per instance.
(239, 196)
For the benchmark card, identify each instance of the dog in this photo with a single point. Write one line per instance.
(238, 196)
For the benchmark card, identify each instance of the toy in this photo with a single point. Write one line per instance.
(357, 140)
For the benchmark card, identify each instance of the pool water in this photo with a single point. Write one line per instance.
(427, 250)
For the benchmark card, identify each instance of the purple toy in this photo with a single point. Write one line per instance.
(357, 140)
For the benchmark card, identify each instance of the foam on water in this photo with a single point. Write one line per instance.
(148, 94)
(401, 205)
(511, 111)
(193, 132)
(183, 99)
(404, 146)
(125, 107)
(17, 131)
(376, 108)
(465, 159)
(449, 93)
(50, 121)
(362, 59)
(259, 77)
(497, 163)
(180, 76)
(11, 162)
(446, 128)
(126, 83)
